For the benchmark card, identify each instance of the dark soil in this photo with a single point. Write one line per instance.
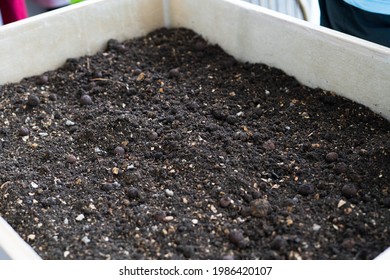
(165, 147)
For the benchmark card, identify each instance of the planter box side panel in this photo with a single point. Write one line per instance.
(316, 56)
(12, 246)
(41, 43)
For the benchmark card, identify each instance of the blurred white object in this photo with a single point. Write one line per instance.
(52, 3)
(302, 9)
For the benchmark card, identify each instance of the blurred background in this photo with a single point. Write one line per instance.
(302, 9)
(34, 8)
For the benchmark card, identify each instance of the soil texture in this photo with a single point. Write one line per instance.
(166, 147)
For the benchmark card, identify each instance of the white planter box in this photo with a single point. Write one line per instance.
(12, 246)
(316, 56)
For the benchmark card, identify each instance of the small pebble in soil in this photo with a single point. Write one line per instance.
(348, 243)
(257, 137)
(107, 187)
(168, 219)
(306, 189)
(278, 243)
(247, 197)
(193, 106)
(386, 202)
(236, 237)
(71, 64)
(349, 190)
(228, 257)
(119, 151)
(159, 216)
(232, 119)
(188, 251)
(53, 97)
(245, 212)
(340, 168)
(43, 79)
(257, 194)
(224, 202)
(260, 208)
(152, 135)
(331, 157)
(115, 45)
(341, 203)
(33, 100)
(137, 71)
(85, 100)
(200, 45)
(23, 131)
(269, 145)
(133, 193)
(71, 158)
(141, 77)
(175, 72)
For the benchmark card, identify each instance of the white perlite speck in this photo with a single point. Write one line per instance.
(31, 237)
(69, 123)
(316, 227)
(86, 240)
(80, 217)
(169, 192)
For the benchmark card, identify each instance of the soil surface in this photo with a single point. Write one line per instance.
(165, 147)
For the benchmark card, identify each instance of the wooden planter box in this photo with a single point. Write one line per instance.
(316, 56)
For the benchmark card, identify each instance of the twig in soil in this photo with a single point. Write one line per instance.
(109, 80)
(4, 185)
(88, 65)
(175, 56)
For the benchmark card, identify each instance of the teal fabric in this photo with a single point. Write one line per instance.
(373, 6)
(346, 18)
